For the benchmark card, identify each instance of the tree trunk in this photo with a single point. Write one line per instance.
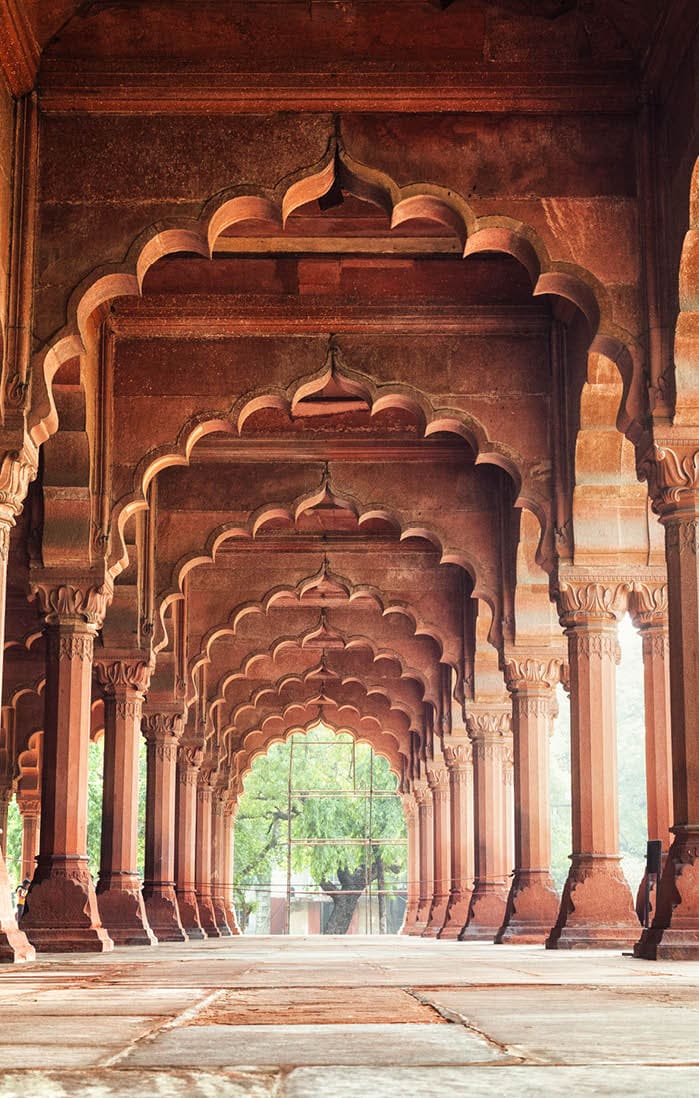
(344, 907)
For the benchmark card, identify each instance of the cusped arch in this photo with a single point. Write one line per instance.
(441, 205)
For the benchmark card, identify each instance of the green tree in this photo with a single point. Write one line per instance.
(311, 790)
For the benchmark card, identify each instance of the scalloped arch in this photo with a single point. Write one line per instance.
(442, 205)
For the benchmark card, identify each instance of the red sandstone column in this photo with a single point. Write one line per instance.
(229, 860)
(122, 910)
(30, 807)
(508, 777)
(673, 474)
(489, 730)
(16, 472)
(423, 796)
(649, 613)
(162, 731)
(188, 763)
(438, 778)
(410, 810)
(596, 907)
(5, 798)
(459, 760)
(218, 899)
(62, 911)
(203, 855)
(532, 904)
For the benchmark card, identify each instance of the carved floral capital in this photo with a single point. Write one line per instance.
(17, 470)
(595, 598)
(117, 676)
(532, 673)
(438, 779)
(671, 467)
(72, 601)
(162, 727)
(490, 724)
(458, 756)
(648, 605)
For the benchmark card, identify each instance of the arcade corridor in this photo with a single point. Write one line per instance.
(378, 1017)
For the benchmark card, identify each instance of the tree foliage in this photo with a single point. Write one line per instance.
(312, 788)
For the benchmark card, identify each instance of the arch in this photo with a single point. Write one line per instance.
(337, 168)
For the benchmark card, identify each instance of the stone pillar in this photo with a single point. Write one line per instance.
(649, 613)
(30, 807)
(63, 916)
(596, 909)
(17, 469)
(508, 777)
(438, 779)
(410, 810)
(162, 731)
(218, 899)
(532, 905)
(229, 860)
(122, 910)
(459, 760)
(203, 855)
(423, 796)
(489, 731)
(673, 474)
(5, 798)
(188, 762)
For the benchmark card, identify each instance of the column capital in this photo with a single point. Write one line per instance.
(409, 806)
(534, 673)
(17, 469)
(76, 600)
(120, 674)
(489, 722)
(438, 778)
(189, 759)
(458, 756)
(160, 727)
(670, 465)
(422, 792)
(29, 806)
(648, 605)
(592, 598)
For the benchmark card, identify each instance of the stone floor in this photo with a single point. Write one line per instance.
(366, 1017)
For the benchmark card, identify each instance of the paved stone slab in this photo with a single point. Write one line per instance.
(288, 1046)
(498, 1082)
(112, 1083)
(581, 1025)
(315, 1006)
(93, 1002)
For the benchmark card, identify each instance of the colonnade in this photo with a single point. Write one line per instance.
(462, 881)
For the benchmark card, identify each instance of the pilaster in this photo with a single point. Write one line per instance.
(438, 780)
(229, 859)
(189, 758)
(218, 827)
(532, 904)
(458, 757)
(162, 729)
(123, 681)
(489, 728)
(411, 819)
(423, 797)
(596, 909)
(63, 914)
(671, 467)
(30, 808)
(203, 853)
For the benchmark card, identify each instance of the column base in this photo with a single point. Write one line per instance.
(456, 917)
(189, 916)
(232, 920)
(674, 935)
(597, 909)
(14, 945)
(409, 918)
(220, 917)
(438, 914)
(163, 913)
(62, 915)
(123, 914)
(207, 917)
(488, 905)
(532, 909)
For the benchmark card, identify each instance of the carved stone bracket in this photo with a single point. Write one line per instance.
(17, 470)
(671, 467)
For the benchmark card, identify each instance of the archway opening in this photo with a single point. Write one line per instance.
(320, 839)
